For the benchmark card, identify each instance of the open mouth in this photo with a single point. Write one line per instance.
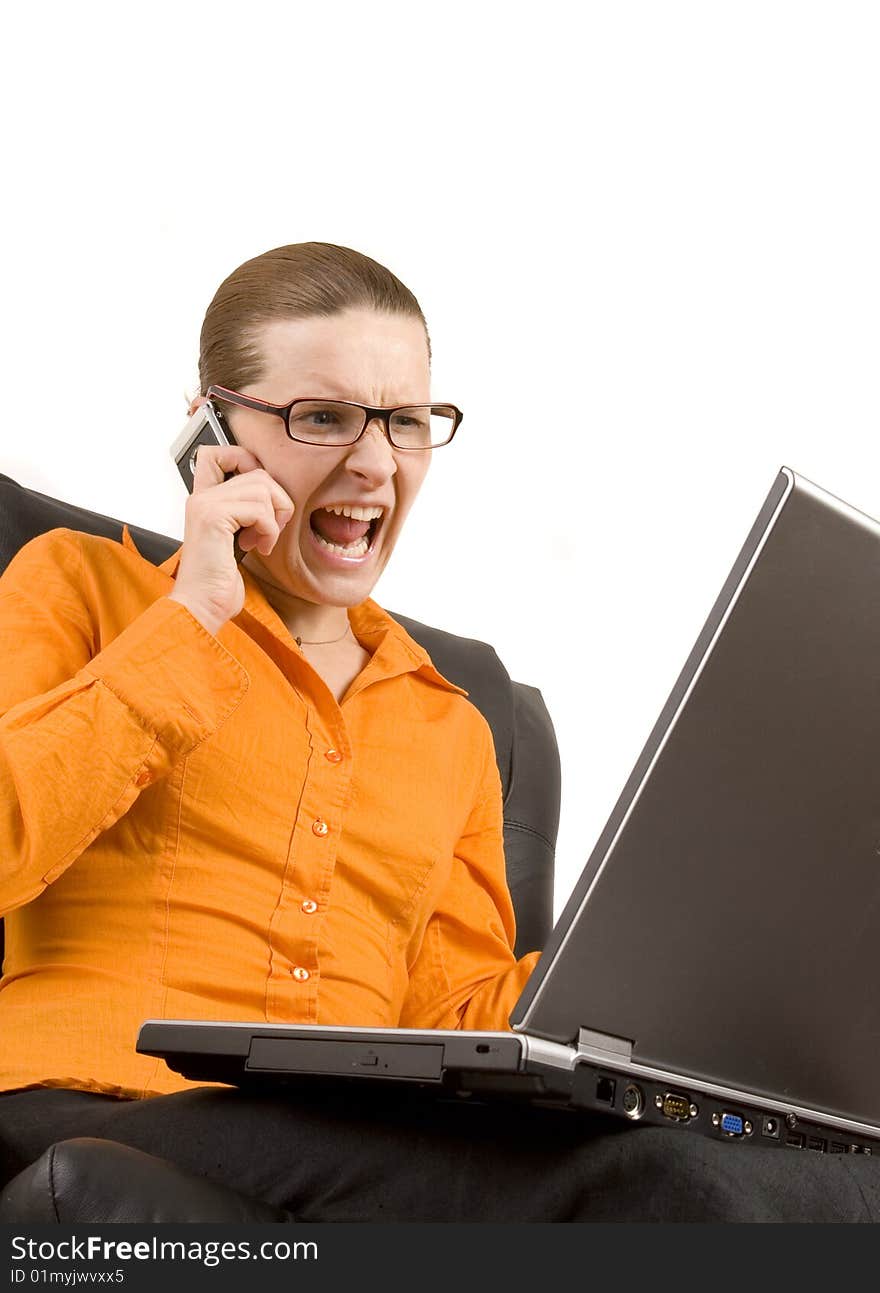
(343, 535)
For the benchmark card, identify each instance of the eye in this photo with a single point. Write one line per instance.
(409, 421)
(319, 417)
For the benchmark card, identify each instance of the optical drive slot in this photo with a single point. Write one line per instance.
(340, 1058)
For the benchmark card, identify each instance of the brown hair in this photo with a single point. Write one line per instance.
(300, 281)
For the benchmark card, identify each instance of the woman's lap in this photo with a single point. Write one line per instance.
(329, 1155)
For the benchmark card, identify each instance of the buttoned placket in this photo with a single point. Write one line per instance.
(318, 813)
(296, 925)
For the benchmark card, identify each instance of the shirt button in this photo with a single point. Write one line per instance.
(300, 973)
(333, 756)
(319, 827)
(143, 778)
(308, 906)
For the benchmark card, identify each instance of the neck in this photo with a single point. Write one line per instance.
(309, 621)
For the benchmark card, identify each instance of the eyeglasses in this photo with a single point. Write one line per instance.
(338, 422)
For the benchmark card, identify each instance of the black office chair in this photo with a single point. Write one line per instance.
(85, 1179)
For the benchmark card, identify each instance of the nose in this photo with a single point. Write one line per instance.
(373, 455)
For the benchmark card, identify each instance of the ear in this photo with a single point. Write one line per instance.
(196, 402)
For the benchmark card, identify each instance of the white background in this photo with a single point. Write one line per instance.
(645, 236)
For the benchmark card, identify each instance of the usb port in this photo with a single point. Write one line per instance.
(836, 1147)
(794, 1140)
(817, 1143)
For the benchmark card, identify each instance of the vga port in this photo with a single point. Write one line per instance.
(675, 1106)
(732, 1124)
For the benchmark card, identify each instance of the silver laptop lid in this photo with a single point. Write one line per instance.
(727, 923)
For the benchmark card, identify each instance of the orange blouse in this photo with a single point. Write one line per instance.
(191, 826)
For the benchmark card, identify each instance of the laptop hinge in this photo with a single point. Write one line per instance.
(603, 1044)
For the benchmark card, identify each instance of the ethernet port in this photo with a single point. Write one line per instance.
(605, 1088)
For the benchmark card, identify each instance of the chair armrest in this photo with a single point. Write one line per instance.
(531, 818)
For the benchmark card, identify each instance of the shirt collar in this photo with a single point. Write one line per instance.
(168, 566)
(388, 640)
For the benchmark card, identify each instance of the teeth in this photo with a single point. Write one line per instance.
(356, 513)
(358, 549)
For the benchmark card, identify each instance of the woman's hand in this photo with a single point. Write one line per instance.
(249, 506)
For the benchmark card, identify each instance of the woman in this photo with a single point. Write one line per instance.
(275, 807)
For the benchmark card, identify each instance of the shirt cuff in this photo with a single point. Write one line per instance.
(176, 677)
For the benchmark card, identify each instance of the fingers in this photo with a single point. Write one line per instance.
(254, 504)
(214, 461)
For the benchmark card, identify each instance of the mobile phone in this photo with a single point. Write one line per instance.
(206, 426)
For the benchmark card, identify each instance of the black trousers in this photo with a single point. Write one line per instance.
(381, 1155)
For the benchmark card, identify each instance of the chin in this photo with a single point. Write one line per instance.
(334, 591)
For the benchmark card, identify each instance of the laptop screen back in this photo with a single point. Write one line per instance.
(728, 921)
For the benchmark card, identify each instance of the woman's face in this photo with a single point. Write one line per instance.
(359, 355)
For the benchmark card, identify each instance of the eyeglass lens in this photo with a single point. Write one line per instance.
(325, 422)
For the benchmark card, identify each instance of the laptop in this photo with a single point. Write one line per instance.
(715, 968)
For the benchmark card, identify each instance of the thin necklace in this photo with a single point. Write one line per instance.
(326, 642)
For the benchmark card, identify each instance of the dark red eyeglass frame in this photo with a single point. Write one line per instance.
(283, 411)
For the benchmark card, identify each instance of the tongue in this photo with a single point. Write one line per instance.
(338, 529)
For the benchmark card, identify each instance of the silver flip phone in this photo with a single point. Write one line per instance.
(206, 426)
